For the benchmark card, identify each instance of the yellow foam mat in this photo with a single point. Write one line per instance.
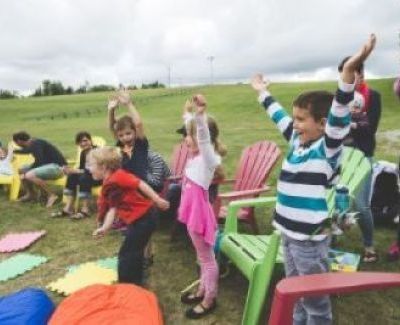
(86, 274)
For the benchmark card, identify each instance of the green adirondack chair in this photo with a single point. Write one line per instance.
(256, 255)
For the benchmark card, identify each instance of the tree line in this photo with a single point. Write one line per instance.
(54, 88)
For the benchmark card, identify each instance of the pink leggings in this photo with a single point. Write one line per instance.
(208, 268)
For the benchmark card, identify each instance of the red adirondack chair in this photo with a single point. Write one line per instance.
(289, 290)
(254, 167)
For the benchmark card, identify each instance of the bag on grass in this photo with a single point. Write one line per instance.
(385, 193)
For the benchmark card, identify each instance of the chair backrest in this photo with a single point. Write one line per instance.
(255, 165)
(180, 156)
(21, 160)
(96, 141)
(354, 168)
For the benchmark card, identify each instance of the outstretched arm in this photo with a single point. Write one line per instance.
(152, 195)
(108, 221)
(338, 124)
(125, 99)
(275, 111)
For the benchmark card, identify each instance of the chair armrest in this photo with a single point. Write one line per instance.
(71, 162)
(227, 181)
(233, 208)
(242, 194)
(174, 178)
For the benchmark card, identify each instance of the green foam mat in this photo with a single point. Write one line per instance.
(19, 264)
(107, 263)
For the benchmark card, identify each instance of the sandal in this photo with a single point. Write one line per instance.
(193, 314)
(80, 215)
(189, 298)
(60, 213)
(370, 257)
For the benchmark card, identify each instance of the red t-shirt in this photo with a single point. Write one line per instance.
(120, 191)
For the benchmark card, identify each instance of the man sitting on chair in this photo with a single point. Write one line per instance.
(47, 165)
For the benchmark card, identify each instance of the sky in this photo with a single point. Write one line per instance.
(186, 42)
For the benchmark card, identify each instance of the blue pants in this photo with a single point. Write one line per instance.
(302, 258)
(362, 204)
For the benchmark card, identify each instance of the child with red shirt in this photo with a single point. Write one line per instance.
(125, 196)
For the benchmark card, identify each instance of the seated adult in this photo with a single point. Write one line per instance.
(48, 165)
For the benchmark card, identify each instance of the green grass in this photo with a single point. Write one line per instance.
(242, 122)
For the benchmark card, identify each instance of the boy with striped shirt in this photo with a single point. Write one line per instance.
(315, 134)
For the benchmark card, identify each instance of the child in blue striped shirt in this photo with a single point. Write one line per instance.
(315, 134)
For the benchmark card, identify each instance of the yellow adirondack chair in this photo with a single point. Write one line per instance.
(13, 181)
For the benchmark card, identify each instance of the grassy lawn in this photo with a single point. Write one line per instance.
(242, 122)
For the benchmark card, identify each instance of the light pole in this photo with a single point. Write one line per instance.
(169, 75)
(211, 59)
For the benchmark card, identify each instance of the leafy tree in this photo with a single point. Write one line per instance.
(6, 94)
(97, 88)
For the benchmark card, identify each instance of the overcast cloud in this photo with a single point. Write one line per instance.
(135, 41)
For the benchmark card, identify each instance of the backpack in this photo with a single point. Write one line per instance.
(385, 193)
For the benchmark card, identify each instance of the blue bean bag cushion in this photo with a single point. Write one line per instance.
(28, 306)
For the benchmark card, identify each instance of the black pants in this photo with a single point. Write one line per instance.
(85, 182)
(130, 256)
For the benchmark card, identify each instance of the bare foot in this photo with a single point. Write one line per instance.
(51, 200)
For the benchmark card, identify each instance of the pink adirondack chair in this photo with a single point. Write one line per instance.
(180, 156)
(254, 167)
(289, 290)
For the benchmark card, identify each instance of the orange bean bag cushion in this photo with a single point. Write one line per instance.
(122, 304)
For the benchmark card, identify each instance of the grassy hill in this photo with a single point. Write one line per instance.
(241, 122)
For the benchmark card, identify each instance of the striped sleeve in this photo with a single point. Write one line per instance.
(278, 114)
(157, 171)
(339, 118)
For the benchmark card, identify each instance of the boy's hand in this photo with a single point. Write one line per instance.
(112, 102)
(258, 83)
(352, 64)
(162, 204)
(124, 97)
(99, 232)
(200, 103)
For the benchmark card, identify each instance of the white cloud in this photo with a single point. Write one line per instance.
(132, 41)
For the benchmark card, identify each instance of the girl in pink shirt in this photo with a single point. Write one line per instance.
(195, 209)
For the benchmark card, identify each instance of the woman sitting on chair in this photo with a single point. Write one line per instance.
(79, 181)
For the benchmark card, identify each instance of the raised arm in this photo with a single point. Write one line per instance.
(203, 133)
(112, 106)
(338, 123)
(125, 99)
(275, 111)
